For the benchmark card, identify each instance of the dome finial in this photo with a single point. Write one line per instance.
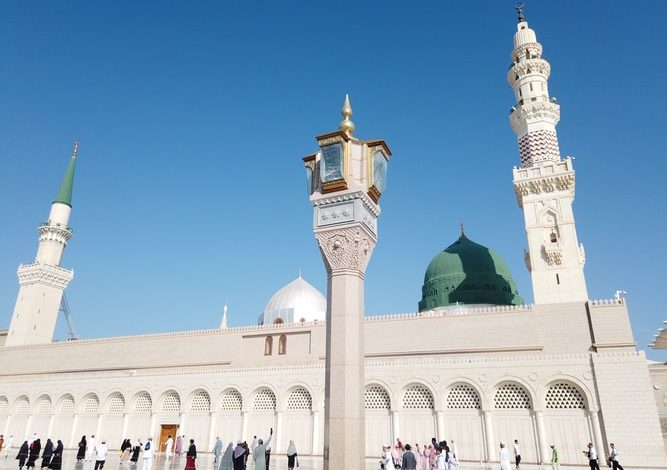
(519, 6)
(463, 233)
(346, 124)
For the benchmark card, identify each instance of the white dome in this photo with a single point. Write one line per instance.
(296, 302)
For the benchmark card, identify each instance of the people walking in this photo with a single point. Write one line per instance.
(136, 450)
(178, 449)
(57, 459)
(613, 457)
(217, 450)
(517, 454)
(592, 455)
(441, 460)
(22, 456)
(409, 461)
(555, 465)
(227, 460)
(168, 445)
(47, 454)
(33, 454)
(504, 458)
(83, 445)
(240, 456)
(125, 449)
(387, 461)
(292, 458)
(191, 456)
(100, 455)
(262, 453)
(148, 454)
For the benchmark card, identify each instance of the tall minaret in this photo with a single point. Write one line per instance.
(42, 283)
(544, 185)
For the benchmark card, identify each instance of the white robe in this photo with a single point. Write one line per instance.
(91, 449)
(505, 459)
(388, 461)
(168, 446)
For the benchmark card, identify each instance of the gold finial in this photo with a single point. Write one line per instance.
(346, 124)
(519, 10)
(75, 152)
(463, 233)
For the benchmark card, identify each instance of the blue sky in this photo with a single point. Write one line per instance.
(193, 118)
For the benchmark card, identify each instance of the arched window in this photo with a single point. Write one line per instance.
(171, 403)
(264, 400)
(231, 401)
(564, 396)
(376, 397)
(553, 237)
(417, 397)
(511, 396)
(282, 345)
(116, 404)
(143, 403)
(67, 405)
(91, 404)
(300, 399)
(44, 405)
(4, 406)
(201, 401)
(22, 405)
(463, 397)
(268, 346)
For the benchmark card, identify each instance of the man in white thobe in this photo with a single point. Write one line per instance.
(92, 448)
(168, 445)
(148, 454)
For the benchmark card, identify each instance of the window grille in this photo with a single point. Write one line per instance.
(512, 396)
(300, 399)
(463, 397)
(231, 401)
(4, 406)
(116, 404)
(171, 403)
(376, 397)
(22, 405)
(264, 399)
(417, 397)
(67, 405)
(91, 404)
(564, 396)
(200, 401)
(44, 406)
(143, 403)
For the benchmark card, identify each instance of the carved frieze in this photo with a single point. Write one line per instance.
(347, 248)
(52, 276)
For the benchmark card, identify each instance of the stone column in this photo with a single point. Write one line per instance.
(9, 420)
(317, 446)
(75, 422)
(488, 436)
(124, 428)
(151, 429)
(244, 425)
(440, 424)
(49, 429)
(279, 432)
(211, 430)
(594, 419)
(346, 252)
(98, 428)
(395, 427)
(542, 451)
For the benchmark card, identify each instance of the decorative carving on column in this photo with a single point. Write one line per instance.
(346, 248)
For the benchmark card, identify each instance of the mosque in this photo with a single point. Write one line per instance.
(573, 375)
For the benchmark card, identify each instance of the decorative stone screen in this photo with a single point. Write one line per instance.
(417, 397)
(91, 404)
(300, 399)
(376, 397)
(171, 403)
(143, 403)
(22, 405)
(44, 406)
(463, 397)
(4, 406)
(67, 405)
(511, 396)
(564, 396)
(116, 404)
(200, 401)
(231, 401)
(264, 399)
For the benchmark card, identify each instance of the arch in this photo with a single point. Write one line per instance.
(268, 346)
(170, 402)
(115, 403)
(417, 396)
(278, 321)
(376, 397)
(564, 395)
(200, 401)
(231, 400)
(299, 398)
(4, 405)
(142, 402)
(282, 345)
(44, 405)
(22, 405)
(66, 404)
(264, 399)
(90, 403)
(463, 396)
(512, 396)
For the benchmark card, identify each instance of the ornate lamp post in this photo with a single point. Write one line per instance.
(346, 179)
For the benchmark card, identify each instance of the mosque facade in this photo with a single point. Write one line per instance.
(572, 376)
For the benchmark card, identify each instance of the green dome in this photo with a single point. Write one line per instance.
(468, 273)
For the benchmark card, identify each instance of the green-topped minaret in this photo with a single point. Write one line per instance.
(42, 283)
(65, 192)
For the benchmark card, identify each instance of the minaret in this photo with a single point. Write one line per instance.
(223, 322)
(544, 184)
(346, 179)
(42, 283)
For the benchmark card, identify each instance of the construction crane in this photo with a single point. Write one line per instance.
(64, 308)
